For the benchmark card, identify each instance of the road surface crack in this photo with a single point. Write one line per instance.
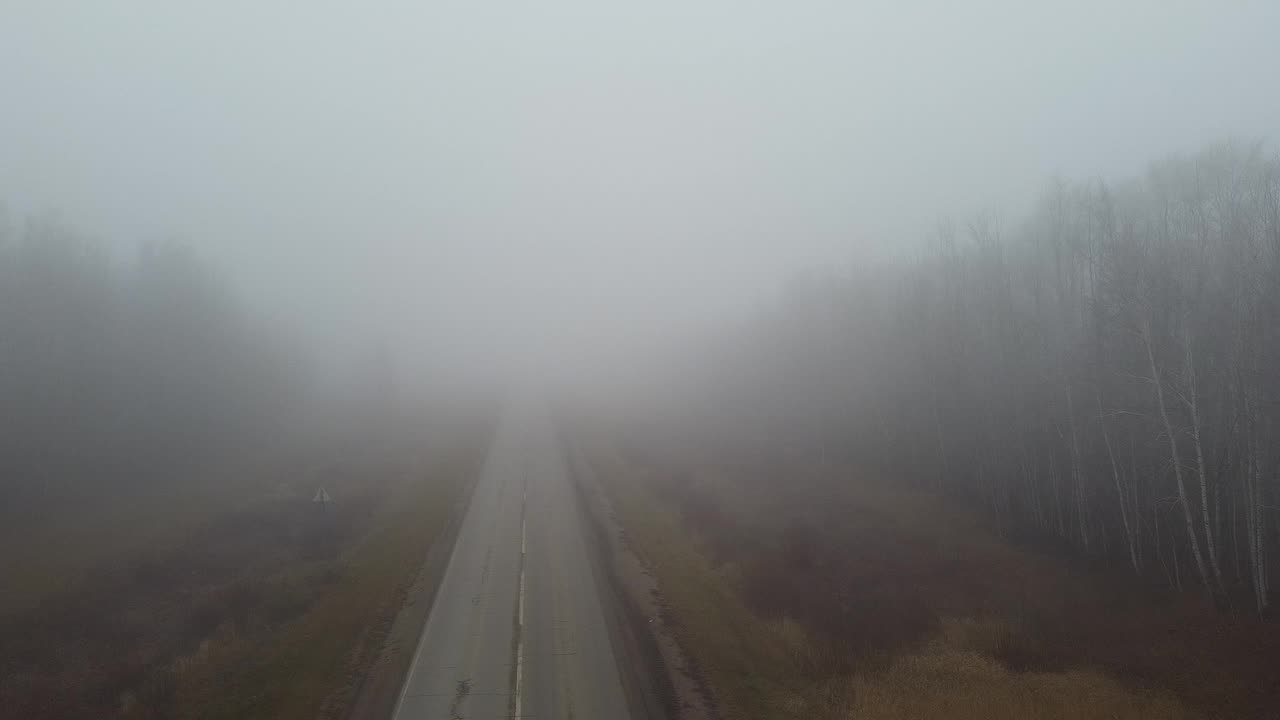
(459, 695)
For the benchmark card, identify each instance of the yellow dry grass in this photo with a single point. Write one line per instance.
(945, 681)
(753, 667)
(309, 668)
(759, 668)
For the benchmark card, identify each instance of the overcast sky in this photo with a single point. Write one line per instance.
(508, 175)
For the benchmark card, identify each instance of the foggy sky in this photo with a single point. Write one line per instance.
(482, 180)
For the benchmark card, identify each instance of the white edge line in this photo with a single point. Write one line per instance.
(444, 580)
(417, 650)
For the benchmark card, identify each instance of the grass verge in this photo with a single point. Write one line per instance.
(747, 665)
(274, 609)
(311, 667)
(869, 602)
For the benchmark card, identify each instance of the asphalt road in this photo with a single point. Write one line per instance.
(517, 628)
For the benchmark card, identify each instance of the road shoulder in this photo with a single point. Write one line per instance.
(660, 681)
(381, 685)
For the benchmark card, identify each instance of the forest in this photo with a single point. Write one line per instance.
(116, 373)
(1100, 374)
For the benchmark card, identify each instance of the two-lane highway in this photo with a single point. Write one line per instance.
(517, 628)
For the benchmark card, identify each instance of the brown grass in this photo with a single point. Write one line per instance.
(83, 538)
(751, 667)
(267, 607)
(943, 681)
(310, 667)
(809, 594)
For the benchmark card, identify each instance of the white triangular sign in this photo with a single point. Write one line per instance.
(321, 496)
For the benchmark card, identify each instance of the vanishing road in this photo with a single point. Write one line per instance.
(517, 628)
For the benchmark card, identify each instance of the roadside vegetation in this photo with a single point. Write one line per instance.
(1028, 472)
(804, 591)
(1099, 373)
(163, 556)
(267, 606)
(311, 665)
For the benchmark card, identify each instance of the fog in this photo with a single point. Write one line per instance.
(802, 355)
(489, 185)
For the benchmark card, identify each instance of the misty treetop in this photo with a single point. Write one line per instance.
(111, 372)
(1105, 373)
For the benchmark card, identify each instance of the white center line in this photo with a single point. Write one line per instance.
(520, 621)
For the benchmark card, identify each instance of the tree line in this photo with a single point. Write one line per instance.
(116, 372)
(1105, 371)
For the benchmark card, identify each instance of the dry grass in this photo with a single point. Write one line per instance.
(267, 608)
(955, 675)
(943, 681)
(86, 537)
(311, 666)
(752, 667)
(799, 601)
